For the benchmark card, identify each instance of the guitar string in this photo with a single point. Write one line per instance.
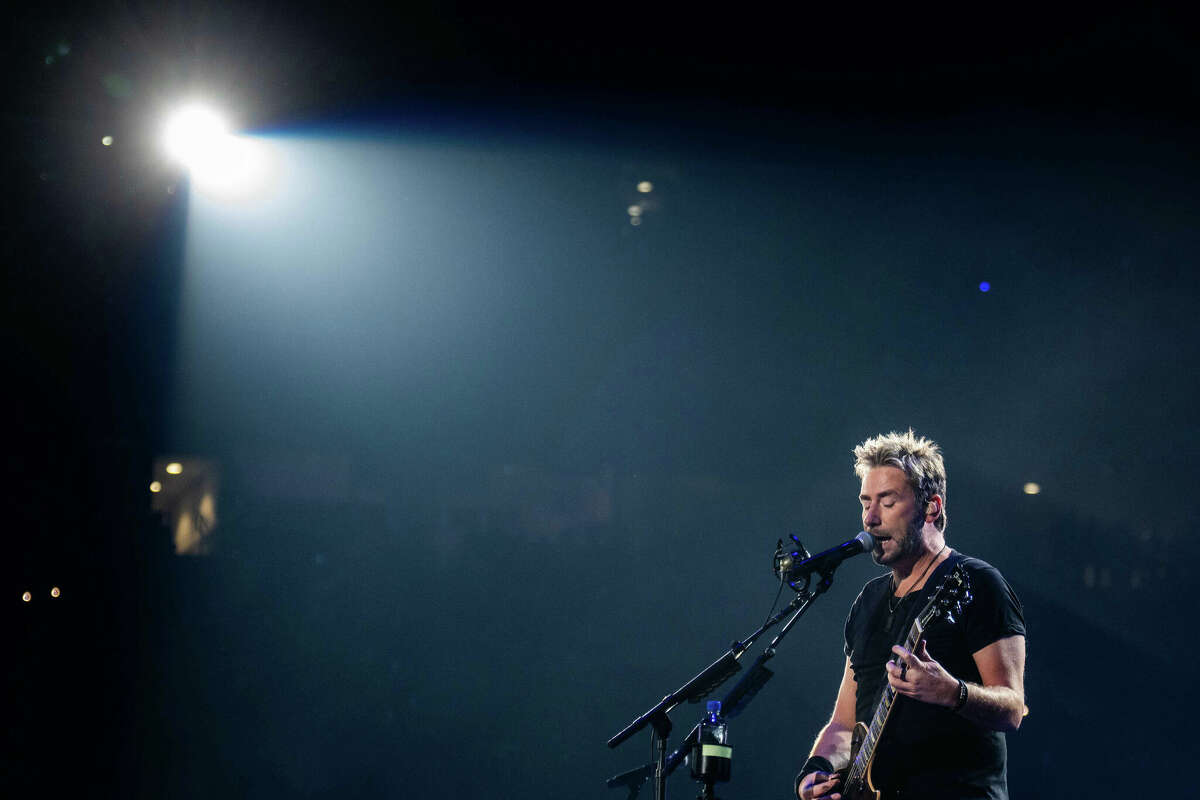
(889, 693)
(858, 766)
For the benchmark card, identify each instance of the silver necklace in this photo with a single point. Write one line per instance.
(898, 600)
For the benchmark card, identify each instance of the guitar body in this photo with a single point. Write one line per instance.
(858, 789)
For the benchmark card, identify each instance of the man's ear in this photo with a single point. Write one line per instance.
(933, 509)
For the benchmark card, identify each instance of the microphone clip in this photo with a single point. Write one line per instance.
(785, 557)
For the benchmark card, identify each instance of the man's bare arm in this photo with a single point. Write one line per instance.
(833, 742)
(999, 703)
(996, 702)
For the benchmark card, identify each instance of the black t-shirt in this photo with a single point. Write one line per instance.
(929, 751)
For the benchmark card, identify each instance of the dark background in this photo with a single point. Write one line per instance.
(545, 455)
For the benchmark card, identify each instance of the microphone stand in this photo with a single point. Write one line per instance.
(705, 682)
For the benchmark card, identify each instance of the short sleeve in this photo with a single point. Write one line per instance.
(851, 625)
(995, 611)
(859, 615)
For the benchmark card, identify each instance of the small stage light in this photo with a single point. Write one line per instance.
(107, 141)
(1032, 488)
(55, 592)
(634, 211)
(155, 487)
(174, 468)
(27, 597)
(985, 286)
(645, 187)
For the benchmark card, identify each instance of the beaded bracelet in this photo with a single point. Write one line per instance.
(962, 695)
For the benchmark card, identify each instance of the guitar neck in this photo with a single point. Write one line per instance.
(948, 600)
(866, 751)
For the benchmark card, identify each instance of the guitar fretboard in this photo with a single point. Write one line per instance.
(947, 601)
(866, 752)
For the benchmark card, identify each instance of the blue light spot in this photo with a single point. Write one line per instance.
(983, 287)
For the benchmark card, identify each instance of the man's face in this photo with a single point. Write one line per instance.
(890, 514)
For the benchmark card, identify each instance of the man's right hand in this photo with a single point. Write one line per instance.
(820, 786)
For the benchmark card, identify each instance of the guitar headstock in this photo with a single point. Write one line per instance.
(950, 598)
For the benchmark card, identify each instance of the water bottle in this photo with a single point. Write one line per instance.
(710, 758)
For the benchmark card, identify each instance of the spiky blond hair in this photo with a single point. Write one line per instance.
(920, 458)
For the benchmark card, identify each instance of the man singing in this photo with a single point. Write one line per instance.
(962, 687)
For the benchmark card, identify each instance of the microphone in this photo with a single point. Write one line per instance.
(791, 566)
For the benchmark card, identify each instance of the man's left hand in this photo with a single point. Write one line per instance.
(918, 675)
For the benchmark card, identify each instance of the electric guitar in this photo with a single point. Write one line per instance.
(949, 599)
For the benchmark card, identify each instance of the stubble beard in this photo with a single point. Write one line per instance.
(911, 545)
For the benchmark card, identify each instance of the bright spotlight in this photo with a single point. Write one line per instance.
(193, 133)
(220, 162)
